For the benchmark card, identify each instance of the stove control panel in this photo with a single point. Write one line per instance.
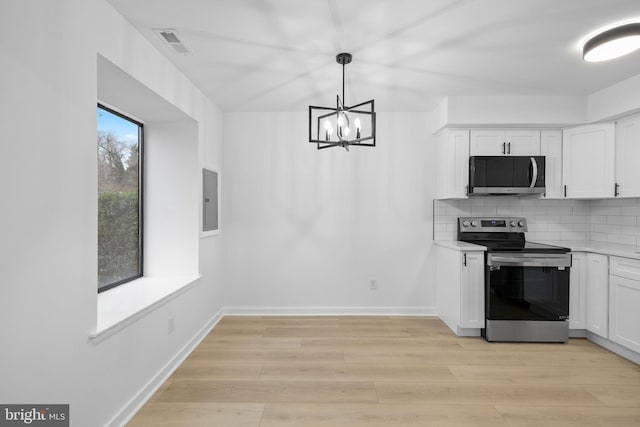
(492, 224)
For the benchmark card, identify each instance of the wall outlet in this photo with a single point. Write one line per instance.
(373, 285)
(172, 325)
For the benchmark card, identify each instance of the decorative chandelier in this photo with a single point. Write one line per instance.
(343, 126)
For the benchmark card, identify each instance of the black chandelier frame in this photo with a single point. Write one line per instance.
(366, 109)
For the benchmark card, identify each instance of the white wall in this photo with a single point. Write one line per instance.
(516, 110)
(614, 101)
(172, 199)
(306, 230)
(616, 221)
(48, 57)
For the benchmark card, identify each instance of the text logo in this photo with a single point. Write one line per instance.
(34, 415)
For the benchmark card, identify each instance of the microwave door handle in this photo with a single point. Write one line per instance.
(534, 175)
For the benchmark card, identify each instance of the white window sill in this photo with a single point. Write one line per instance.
(209, 233)
(123, 305)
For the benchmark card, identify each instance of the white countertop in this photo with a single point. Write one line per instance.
(604, 248)
(459, 246)
(611, 249)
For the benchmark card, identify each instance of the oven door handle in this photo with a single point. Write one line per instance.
(507, 261)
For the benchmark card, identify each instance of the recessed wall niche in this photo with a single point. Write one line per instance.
(171, 172)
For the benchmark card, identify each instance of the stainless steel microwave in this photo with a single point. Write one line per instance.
(506, 175)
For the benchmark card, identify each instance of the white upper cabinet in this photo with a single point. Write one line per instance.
(453, 164)
(627, 154)
(551, 148)
(588, 161)
(500, 142)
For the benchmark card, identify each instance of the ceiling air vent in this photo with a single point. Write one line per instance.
(172, 39)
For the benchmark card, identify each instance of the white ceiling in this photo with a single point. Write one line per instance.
(279, 55)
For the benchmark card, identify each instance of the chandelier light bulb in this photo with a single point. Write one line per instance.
(328, 130)
(358, 126)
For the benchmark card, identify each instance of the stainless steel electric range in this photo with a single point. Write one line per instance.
(526, 283)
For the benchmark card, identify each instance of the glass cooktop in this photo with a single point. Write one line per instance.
(519, 246)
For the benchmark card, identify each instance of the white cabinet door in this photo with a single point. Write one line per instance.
(460, 289)
(488, 142)
(624, 312)
(448, 271)
(598, 294)
(453, 164)
(523, 142)
(459, 155)
(628, 157)
(551, 148)
(500, 142)
(577, 291)
(588, 161)
(472, 290)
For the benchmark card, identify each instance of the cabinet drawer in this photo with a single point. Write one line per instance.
(625, 267)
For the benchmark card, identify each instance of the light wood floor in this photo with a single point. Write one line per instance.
(389, 371)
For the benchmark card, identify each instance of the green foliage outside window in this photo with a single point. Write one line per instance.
(119, 243)
(118, 251)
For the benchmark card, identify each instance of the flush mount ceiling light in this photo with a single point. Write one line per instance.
(343, 126)
(612, 43)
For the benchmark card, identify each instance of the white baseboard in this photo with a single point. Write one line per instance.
(468, 332)
(140, 398)
(329, 311)
(614, 347)
(577, 333)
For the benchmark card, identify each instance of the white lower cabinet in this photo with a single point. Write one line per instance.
(598, 294)
(624, 303)
(460, 291)
(578, 291)
(472, 290)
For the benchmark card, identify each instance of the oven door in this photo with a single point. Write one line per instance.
(527, 286)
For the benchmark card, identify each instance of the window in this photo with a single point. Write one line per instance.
(120, 161)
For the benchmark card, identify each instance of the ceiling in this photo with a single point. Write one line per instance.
(279, 55)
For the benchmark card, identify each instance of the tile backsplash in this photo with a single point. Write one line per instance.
(616, 220)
